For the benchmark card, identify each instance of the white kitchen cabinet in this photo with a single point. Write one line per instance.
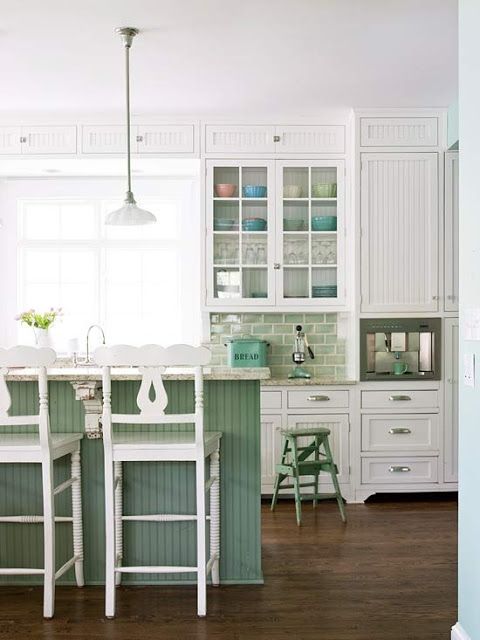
(310, 232)
(105, 139)
(399, 132)
(290, 407)
(240, 233)
(38, 140)
(270, 448)
(297, 258)
(400, 232)
(451, 333)
(451, 231)
(274, 139)
(10, 140)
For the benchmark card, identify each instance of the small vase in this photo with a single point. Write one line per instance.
(42, 337)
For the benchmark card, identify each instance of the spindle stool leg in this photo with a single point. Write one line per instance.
(215, 516)
(118, 518)
(315, 488)
(109, 539)
(77, 517)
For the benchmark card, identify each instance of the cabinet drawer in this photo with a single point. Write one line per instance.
(399, 470)
(400, 432)
(394, 399)
(317, 398)
(270, 400)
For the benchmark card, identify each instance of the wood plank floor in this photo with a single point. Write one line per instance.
(389, 574)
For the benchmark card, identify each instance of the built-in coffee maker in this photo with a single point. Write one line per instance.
(400, 348)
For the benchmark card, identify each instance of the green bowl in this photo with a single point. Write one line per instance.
(324, 223)
(323, 190)
(293, 224)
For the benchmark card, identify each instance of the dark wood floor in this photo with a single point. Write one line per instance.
(389, 574)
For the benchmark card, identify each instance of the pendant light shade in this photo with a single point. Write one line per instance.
(130, 214)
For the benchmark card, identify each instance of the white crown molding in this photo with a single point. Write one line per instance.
(459, 633)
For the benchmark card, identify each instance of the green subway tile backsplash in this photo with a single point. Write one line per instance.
(279, 330)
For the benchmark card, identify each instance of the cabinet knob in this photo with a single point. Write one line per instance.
(276, 138)
(139, 138)
(276, 265)
(435, 297)
(23, 139)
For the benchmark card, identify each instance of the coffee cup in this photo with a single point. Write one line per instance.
(399, 368)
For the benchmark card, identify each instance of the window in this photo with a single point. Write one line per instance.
(140, 283)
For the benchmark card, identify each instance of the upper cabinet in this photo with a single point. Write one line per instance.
(398, 132)
(275, 233)
(38, 140)
(451, 231)
(269, 139)
(104, 139)
(400, 232)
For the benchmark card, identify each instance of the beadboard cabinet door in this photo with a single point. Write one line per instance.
(400, 232)
(271, 445)
(451, 231)
(10, 140)
(451, 399)
(38, 140)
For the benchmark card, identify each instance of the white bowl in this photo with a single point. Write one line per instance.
(292, 191)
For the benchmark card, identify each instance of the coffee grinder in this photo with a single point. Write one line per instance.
(299, 354)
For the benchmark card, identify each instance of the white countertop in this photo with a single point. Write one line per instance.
(90, 374)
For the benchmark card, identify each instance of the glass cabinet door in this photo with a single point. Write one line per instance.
(309, 222)
(240, 232)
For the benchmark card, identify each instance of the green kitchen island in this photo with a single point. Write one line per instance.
(232, 405)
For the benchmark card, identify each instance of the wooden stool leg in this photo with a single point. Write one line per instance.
(280, 476)
(296, 482)
(48, 539)
(77, 517)
(118, 474)
(333, 474)
(315, 488)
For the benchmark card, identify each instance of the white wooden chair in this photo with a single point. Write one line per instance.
(162, 445)
(43, 448)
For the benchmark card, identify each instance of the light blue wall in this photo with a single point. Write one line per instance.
(452, 128)
(469, 519)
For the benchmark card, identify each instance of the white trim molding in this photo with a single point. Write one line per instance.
(459, 633)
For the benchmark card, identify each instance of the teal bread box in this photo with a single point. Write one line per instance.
(247, 352)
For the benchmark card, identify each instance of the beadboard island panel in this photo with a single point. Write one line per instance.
(231, 406)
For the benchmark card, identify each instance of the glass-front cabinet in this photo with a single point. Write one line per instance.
(273, 231)
(310, 232)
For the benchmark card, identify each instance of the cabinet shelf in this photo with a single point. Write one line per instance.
(308, 199)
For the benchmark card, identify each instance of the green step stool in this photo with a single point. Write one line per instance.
(298, 461)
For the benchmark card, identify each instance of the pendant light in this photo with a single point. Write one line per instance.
(130, 214)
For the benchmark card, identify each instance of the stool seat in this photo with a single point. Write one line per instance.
(162, 445)
(307, 460)
(25, 447)
(308, 431)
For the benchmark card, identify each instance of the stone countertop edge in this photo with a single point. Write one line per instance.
(308, 382)
(90, 374)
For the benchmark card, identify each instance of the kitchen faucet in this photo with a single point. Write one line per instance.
(93, 326)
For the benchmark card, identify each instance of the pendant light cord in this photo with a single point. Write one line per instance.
(127, 76)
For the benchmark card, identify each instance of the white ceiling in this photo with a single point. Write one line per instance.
(222, 57)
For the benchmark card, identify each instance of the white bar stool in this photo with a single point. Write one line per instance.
(42, 448)
(162, 445)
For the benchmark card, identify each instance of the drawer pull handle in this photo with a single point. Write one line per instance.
(318, 398)
(395, 430)
(399, 398)
(395, 469)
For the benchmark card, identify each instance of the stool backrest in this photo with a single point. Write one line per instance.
(35, 358)
(152, 361)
